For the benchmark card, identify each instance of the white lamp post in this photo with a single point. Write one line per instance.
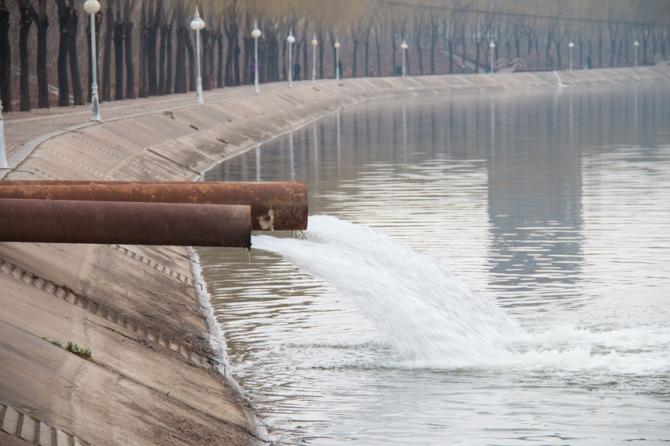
(492, 47)
(337, 59)
(256, 33)
(637, 49)
(3, 146)
(291, 40)
(314, 45)
(571, 45)
(404, 47)
(197, 24)
(92, 7)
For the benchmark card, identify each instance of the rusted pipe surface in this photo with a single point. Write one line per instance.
(274, 205)
(109, 222)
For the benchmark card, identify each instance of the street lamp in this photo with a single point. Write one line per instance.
(3, 146)
(291, 40)
(92, 7)
(637, 49)
(404, 47)
(571, 45)
(492, 46)
(197, 24)
(256, 33)
(337, 59)
(314, 45)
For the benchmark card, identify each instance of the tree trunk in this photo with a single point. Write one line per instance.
(433, 42)
(42, 76)
(379, 52)
(205, 38)
(548, 62)
(319, 38)
(130, 63)
(236, 61)
(107, 57)
(169, 70)
(419, 52)
(305, 59)
(450, 48)
(600, 48)
(191, 62)
(354, 59)
(161, 59)
(27, 16)
(143, 90)
(366, 54)
(64, 25)
(75, 75)
(6, 57)
(332, 45)
(118, 60)
(464, 45)
(248, 60)
(394, 49)
(180, 76)
(230, 52)
(152, 40)
(220, 72)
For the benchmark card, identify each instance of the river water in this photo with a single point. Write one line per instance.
(523, 296)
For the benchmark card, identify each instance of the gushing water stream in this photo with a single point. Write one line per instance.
(434, 320)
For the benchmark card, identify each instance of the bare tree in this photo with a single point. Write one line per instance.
(42, 73)
(106, 91)
(6, 57)
(128, 25)
(28, 16)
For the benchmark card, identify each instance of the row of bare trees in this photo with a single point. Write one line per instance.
(147, 48)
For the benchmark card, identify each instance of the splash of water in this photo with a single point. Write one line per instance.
(413, 299)
(434, 321)
(560, 83)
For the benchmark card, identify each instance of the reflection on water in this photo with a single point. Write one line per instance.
(554, 205)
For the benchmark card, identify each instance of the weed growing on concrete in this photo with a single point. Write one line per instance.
(77, 350)
(56, 343)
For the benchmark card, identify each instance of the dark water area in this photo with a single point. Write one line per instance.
(554, 205)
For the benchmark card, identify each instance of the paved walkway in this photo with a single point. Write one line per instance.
(24, 127)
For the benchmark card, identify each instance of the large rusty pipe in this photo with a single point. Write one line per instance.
(110, 222)
(274, 205)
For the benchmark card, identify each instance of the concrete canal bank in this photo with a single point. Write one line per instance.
(153, 377)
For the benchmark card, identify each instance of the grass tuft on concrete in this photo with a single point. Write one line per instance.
(78, 350)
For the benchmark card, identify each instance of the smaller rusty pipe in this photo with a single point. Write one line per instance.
(274, 205)
(110, 222)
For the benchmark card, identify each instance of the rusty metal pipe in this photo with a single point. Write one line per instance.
(274, 205)
(109, 222)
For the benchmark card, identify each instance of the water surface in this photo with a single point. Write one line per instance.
(553, 206)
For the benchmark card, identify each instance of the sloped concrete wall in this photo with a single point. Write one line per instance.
(152, 377)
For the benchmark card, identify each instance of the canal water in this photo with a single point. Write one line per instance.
(481, 270)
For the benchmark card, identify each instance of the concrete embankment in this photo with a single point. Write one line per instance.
(153, 375)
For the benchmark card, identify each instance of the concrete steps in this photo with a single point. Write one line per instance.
(18, 424)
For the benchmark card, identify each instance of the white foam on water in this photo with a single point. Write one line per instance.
(433, 320)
